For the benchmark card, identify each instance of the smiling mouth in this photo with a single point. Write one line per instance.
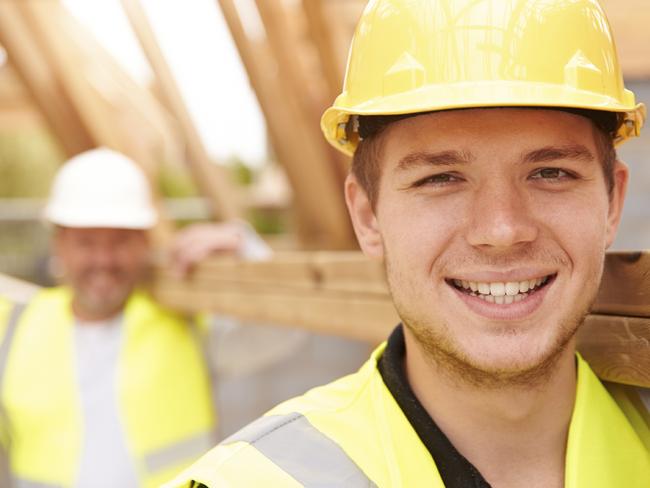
(502, 293)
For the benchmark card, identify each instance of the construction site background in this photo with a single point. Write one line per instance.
(29, 156)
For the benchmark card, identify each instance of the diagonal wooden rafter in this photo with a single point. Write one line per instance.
(322, 217)
(309, 93)
(210, 178)
(70, 74)
(39, 77)
(322, 37)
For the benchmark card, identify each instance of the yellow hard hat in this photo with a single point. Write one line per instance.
(412, 56)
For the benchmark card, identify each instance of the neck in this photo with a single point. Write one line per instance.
(87, 315)
(506, 432)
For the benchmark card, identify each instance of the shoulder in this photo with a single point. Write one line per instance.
(142, 307)
(301, 439)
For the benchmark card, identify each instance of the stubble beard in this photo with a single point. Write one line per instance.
(110, 303)
(445, 356)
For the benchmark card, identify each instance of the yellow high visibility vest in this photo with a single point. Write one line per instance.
(352, 433)
(163, 388)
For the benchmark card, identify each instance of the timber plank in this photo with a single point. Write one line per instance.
(348, 316)
(617, 348)
(345, 294)
(625, 287)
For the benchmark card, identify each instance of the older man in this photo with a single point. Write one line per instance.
(485, 177)
(101, 386)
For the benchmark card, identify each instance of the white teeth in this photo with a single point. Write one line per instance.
(497, 289)
(512, 288)
(510, 292)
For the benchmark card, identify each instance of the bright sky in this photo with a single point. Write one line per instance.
(204, 60)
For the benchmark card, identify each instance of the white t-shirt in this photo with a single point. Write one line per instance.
(105, 460)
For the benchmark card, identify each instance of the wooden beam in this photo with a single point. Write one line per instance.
(87, 84)
(44, 20)
(39, 77)
(346, 294)
(318, 198)
(322, 37)
(625, 287)
(617, 348)
(210, 178)
(310, 97)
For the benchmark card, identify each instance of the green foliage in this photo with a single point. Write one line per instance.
(269, 222)
(240, 172)
(176, 182)
(28, 162)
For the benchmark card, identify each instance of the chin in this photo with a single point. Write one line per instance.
(510, 358)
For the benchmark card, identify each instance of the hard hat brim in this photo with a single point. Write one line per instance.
(334, 122)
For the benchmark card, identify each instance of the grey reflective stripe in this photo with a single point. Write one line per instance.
(5, 348)
(21, 483)
(187, 450)
(10, 331)
(302, 451)
(203, 342)
(644, 394)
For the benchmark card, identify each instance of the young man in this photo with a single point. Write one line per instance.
(485, 177)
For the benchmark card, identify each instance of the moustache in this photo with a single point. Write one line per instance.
(524, 257)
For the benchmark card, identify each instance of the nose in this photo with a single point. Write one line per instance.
(501, 217)
(103, 255)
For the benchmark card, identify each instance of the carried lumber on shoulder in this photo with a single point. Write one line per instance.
(345, 294)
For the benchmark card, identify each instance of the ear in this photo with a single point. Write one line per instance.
(363, 218)
(616, 201)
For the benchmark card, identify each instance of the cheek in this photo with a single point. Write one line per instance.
(578, 222)
(416, 231)
(132, 258)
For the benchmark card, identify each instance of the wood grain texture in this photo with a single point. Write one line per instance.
(617, 348)
(625, 287)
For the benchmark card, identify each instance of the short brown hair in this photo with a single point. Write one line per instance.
(366, 167)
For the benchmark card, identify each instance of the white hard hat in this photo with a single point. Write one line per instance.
(101, 188)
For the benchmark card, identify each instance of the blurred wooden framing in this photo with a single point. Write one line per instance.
(86, 98)
(211, 179)
(89, 101)
(275, 72)
(346, 294)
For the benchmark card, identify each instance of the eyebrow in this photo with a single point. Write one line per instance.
(443, 158)
(553, 153)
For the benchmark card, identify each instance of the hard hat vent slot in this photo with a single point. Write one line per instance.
(407, 73)
(582, 74)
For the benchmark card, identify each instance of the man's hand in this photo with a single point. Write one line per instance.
(197, 241)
